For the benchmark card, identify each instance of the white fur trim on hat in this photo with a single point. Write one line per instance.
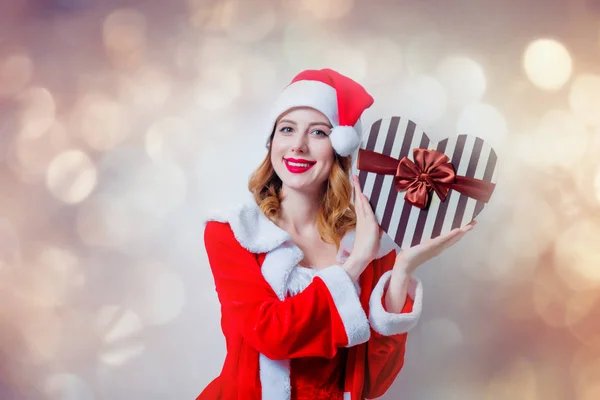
(323, 98)
(313, 94)
(344, 139)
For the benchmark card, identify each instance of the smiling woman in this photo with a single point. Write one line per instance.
(299, 135)
(315, 303)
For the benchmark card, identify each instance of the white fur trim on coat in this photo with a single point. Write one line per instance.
(252, 229)
(387, 323)
(301, 277)
(346, 301)
(278, 265)
(274, 378)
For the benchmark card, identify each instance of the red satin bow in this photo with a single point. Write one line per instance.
(431, 171)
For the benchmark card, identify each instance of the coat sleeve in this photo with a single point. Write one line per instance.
(325, 316)
(387, 344)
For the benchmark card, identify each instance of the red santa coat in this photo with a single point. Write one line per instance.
(272, 311)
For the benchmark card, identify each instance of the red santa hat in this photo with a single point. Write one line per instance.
(338, 97)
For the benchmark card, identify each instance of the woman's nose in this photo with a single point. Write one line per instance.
(300, 143)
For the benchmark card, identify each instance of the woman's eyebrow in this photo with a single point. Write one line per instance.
(311, 124)
(320, 123)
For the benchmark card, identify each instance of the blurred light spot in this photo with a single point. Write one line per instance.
(517, 304)
(578, 255)
(585, 372)
(120, 330)
(597, 184)
(103, 122)
(120, 354)
(201, 12)
(423, 52)
(484, 121)
(331, 9)
(447, 390)
(135, 197)
(16, 71)
(549, 297)
(383, 57)
(258, 77)
(307, 43)
(71, 176)
(583, 311)
(218, 86)
(442, 333)
(248, 21)
(547, 64)
(34, 154)
(10, 247)
(584, 98)
(124, 33)
(161, 294)
(67, 386)
(147, 88)
(42, 333)
(37, 111)
(423, 100)
(591, 392)
(559, 139)
(347, 60)
(54, 272)
(104, 221)
(517, 381)
(217, 51)
(170, 139)
(513, 252)
(463, 79)
(186, 54)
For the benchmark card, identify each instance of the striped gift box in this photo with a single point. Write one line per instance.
(409, 225)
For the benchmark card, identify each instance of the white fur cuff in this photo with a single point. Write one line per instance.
(387, 323)
(348, 305)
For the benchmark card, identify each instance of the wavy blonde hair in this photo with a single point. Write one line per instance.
(337, 214)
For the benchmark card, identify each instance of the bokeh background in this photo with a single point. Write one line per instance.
(122, 123)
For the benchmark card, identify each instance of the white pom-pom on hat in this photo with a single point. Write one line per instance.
(339, 98)
(345, 140)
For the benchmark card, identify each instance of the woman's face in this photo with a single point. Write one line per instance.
(301, 152)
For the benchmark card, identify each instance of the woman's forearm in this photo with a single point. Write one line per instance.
(397, 290)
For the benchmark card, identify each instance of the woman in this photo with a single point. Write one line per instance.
(315, 302)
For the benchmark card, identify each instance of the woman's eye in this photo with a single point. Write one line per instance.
(319, 132)
(285, 129)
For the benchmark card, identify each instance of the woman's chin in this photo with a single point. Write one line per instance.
(301, 184)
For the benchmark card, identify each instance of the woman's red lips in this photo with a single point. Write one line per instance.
(298, 165)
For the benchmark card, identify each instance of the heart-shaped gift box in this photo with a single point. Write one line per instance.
(420, 189)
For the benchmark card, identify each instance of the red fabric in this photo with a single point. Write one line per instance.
(352, 98)
(318, 378)
(255, 321)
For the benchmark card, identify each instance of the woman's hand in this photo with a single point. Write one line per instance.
(367, 234)
(408, 260)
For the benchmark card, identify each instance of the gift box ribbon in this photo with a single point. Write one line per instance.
(431, 171)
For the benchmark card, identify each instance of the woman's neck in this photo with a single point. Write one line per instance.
(298, 212)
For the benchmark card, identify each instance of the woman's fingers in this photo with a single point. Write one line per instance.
(440, 240)
(367, 209)
(358, 200)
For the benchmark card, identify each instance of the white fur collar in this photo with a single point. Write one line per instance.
(252, 229)
(258, 234)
